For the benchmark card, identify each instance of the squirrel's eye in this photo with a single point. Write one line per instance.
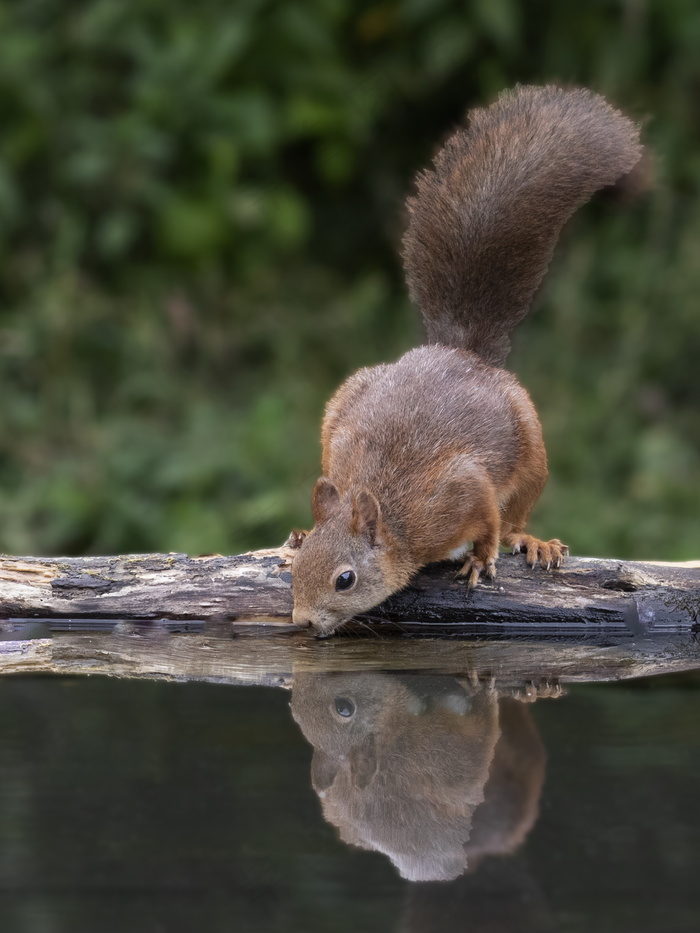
(345, 580)
(344, 707)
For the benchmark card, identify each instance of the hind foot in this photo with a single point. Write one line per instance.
(544, 690)
(547, 553)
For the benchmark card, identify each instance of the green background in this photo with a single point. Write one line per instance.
(200, 212)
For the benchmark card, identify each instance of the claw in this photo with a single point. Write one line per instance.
(473, 568)
(547, 553)
(485, 681)
(295, 539)
(545, 689)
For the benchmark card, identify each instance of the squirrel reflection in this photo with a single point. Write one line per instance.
(436, 772)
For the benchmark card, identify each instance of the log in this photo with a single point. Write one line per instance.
(588, 596)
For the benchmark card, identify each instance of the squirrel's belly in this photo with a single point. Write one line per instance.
(459, 553)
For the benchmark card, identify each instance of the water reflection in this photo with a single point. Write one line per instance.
(131, 805)
(436, 772)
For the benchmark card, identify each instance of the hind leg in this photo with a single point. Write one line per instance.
(527, 484)
(513, 535)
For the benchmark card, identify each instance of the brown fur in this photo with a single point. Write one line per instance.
(433, 771)
(486, 219)
(441, 448)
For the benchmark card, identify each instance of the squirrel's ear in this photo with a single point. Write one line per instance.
(323, 770)
(325, 499)
(366, 517)
(364, 762)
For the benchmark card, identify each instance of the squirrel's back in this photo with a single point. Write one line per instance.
(485, 220)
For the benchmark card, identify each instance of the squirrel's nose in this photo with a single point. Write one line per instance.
(300, 619)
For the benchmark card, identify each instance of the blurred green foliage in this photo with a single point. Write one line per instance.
(200, 211)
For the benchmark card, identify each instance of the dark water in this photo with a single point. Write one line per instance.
(143, 806)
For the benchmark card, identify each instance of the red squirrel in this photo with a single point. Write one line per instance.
(439, 456)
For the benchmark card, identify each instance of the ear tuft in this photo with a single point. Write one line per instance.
(366, 516)
(325, 499)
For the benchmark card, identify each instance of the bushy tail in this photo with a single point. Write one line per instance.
(485, 220)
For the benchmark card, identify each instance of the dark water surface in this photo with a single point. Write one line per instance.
(146, 806)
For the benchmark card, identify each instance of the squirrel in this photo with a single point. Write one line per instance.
(439, 456)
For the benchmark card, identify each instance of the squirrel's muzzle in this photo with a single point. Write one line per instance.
(301, 618)
(322, 623)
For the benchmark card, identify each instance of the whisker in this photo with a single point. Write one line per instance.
(366, 626)
(371, 618)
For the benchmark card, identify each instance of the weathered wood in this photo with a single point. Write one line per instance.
(586, 595)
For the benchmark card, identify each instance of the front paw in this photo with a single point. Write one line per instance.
(295, 539)
(476, 682)
(473, 568)
(547, 553)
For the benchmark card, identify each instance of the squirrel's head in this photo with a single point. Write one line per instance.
(401, 763)
(344, 566)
